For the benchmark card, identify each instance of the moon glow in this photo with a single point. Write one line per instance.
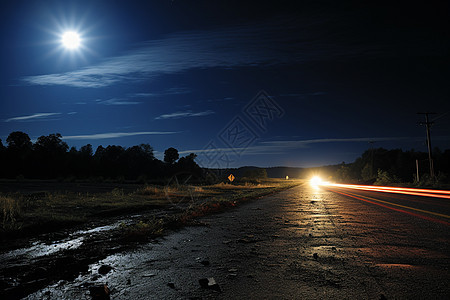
(71, 40)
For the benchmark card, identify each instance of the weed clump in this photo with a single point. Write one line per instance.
(10, 209)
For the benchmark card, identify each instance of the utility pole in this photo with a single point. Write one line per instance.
(417, 170)
(428, 125)
(371, 158)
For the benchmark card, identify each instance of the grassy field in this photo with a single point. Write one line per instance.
(30, 213)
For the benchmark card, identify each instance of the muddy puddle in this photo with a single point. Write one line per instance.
(41, 248)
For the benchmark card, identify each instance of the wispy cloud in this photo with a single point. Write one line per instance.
(117, 101)
(185, 114)
(37, 116)
(305, 143)
(278, 147)
(170, 91)
(111, 135)
(302, 95)
(276, 42)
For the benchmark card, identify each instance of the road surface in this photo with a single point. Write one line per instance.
(302, 243)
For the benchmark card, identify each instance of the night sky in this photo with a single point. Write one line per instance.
(264, 83)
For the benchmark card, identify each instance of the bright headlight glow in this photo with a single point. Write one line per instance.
(315, 181)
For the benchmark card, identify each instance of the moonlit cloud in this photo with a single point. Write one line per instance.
(279, 147)
(111, 135)
(117, 101)
(36, 116)
(185, 114)
(278, 42)
(305, 143)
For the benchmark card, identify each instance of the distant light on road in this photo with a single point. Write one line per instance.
(315, 181)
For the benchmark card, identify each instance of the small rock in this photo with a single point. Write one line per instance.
(128, 281)
(149, 275)
(104, 269)
(40, 272)
(310, 235)
(209, 283)
(205, 262)
(99, 292)
(226, 242)
(232, 275)
(245, 241)
(333, 249)
(316, 256)
(171, 285)
(232, 270)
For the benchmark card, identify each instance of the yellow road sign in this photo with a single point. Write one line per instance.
(231, 177)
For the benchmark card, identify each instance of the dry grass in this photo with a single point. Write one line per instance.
(50, 211)
(10, 209)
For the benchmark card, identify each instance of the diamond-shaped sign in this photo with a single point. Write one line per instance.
(231, 177)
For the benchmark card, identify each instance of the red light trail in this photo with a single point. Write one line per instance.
(398, 190)
(441, 194)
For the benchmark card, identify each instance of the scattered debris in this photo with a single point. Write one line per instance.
(205, 262)
(149, 275)
(226, 242)
(99, 292)
(209, 283)
(95, 277)
(104, 269)
(316, 256)
(245, 241)
(232, 270)
(171, 285)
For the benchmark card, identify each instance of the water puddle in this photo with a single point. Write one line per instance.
(41, 248)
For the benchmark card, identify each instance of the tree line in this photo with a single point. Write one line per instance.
(51, 158)
(382, 166)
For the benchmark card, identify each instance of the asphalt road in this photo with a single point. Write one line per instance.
(303, 243)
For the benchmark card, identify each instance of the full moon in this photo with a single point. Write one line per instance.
(71, 40)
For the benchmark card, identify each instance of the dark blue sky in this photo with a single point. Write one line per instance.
(185, 74)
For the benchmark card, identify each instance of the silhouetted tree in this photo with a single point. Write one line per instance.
(51, 144)
(188, 164)
(50, 156)
(18, 154)
(19, 141)
(171, 155)
(86, 151)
